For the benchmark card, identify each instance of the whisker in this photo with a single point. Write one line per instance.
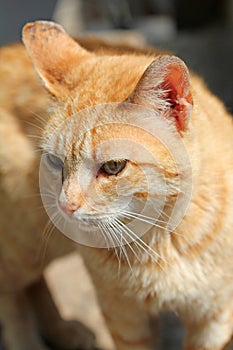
(119, 241)
(104, 233)
(146, 221)
(110, 232)
(38, 137)
(38, 195)
(122, 244)
(38, 117)
(171, 231)
(49, 224)
(38, 150)
(135, 215)
(34, 125)
(145, 247)
(122, 247)
(144, 216)
(46, 234)
(118, 227)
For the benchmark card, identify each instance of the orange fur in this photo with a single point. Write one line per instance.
(192, 275)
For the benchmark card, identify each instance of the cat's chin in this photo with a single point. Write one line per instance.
(87, 227)
(82, 223)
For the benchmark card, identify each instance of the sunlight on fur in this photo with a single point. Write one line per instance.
(137, 164)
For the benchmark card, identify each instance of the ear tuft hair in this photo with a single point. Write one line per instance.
(165, 87)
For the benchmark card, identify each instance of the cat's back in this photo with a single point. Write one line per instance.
(21, 98)
(213, 126)
(23, 106)
(19, 85)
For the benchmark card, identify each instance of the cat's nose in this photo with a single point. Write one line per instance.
(69, 208)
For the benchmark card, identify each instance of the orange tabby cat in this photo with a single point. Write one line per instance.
(187, 269)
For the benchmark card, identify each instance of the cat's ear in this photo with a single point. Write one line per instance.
(52, 52)
(165, 87)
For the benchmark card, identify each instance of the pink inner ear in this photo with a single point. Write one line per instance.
(177, 93)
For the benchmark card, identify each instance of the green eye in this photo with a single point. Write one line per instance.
(54, 161)
(113, 167)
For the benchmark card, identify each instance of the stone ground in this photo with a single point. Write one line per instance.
(75, 296)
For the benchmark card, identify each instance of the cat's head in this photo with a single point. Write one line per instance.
(113, 139)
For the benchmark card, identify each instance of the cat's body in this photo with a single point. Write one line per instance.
(193, 276)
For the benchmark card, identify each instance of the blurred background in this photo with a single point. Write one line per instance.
(199, 31)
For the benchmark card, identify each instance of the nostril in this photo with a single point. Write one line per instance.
(69, 208)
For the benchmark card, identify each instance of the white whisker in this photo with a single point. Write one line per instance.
(144, 216)
(38, 117)
(144, 246)
(48, 230)
(134, 216)
(111, 232)
(104, 233)
(35, 126)
(123, 249)
(119, 229)
(38, 137)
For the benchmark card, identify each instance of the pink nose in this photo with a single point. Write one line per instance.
(69, 208)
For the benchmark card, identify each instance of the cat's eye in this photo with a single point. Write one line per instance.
(54, 161)
(113, 167)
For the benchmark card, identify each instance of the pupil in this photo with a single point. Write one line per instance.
(113, 165)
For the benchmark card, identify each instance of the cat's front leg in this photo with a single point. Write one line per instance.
(59, 333)
(212, 334)
(19, 330)
(127, 320)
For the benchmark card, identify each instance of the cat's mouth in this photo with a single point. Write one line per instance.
(86, 219)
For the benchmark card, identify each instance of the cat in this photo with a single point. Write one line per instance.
(186, 267)
(26, 306)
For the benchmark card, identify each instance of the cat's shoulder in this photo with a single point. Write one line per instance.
(19, 84)
(13, 56)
